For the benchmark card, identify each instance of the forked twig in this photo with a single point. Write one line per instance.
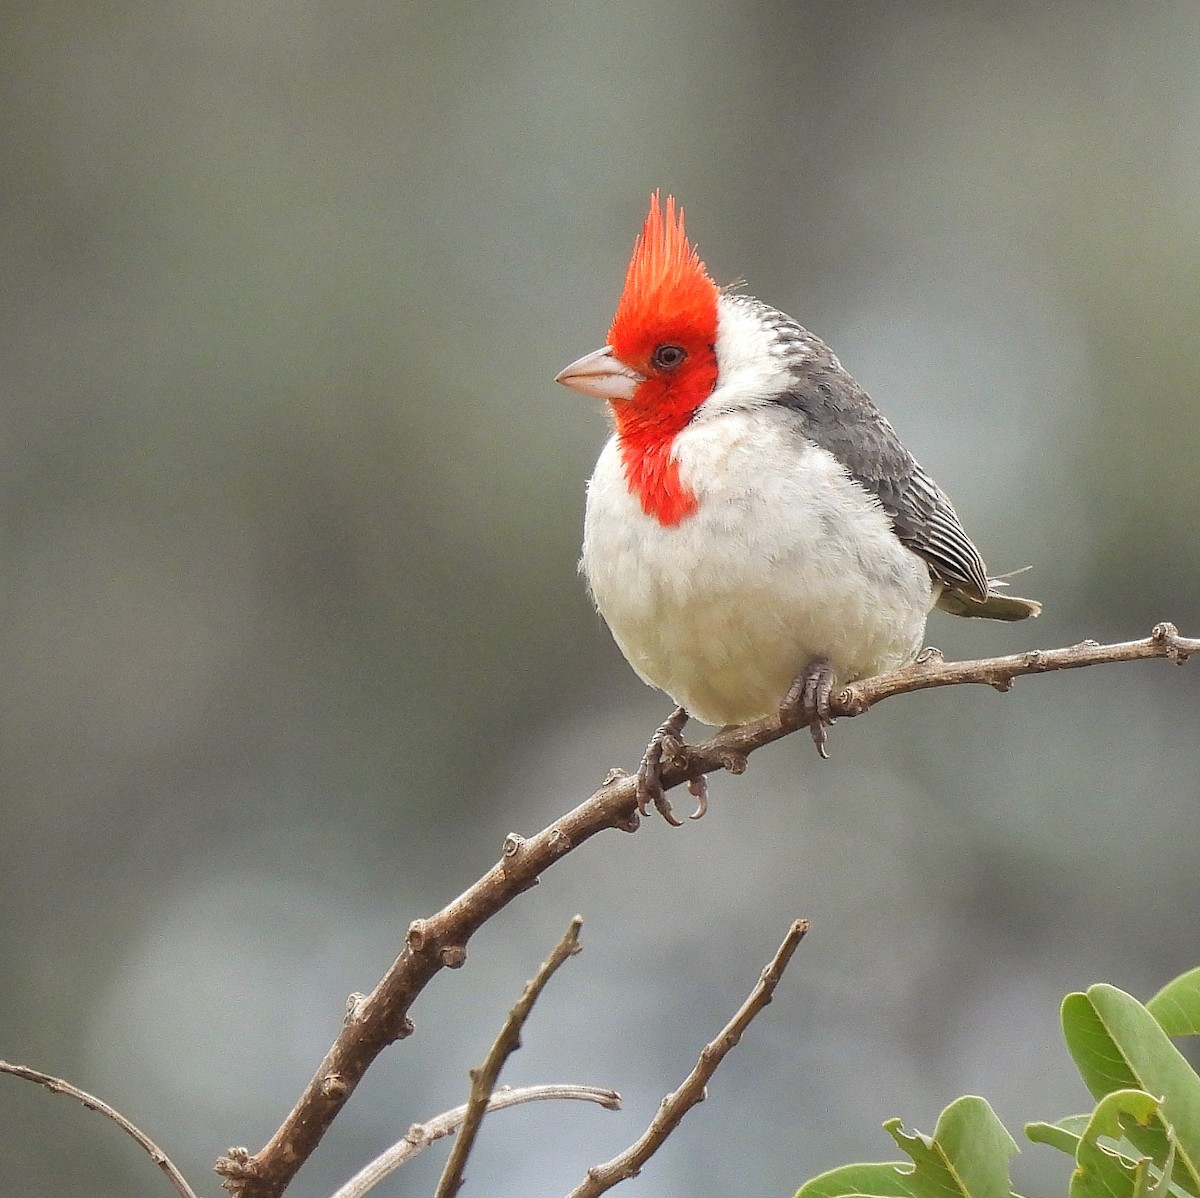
(483, 1079)
(439, 942)
(601, 1178)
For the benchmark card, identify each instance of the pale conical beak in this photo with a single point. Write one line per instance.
(602, 375)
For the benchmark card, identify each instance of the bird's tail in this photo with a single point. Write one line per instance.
(998, 605)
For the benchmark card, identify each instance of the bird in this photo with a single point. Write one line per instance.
(755, 532)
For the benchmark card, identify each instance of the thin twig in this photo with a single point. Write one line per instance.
(380, 1018)
(59, 1086)
(421, 1135)
(483, 1079)
(601, 1178)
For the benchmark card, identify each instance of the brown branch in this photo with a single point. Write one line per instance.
(58, 1086)
(483, 1079)
(601, 1178)
(421, 1135)
(376, 1020)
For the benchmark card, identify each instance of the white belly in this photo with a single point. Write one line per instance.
(785, 561)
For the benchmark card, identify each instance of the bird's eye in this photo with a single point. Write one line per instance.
(667, 357)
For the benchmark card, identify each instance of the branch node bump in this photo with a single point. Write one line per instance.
(1034, 658)
(931, 655)
(614, 775)
(354, 1008)
(560, 842)
(406, 1029)
(1003, 683)
(629, 823)
(237, 1167)
(733, 761)
(1167, 634)
(453, 956)
(513, 844)
(415, 939)
(334, 1087)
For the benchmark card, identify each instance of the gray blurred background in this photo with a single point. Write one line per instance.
(291, 628)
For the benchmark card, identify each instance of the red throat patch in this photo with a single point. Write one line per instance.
(652, 474)
(669, 300)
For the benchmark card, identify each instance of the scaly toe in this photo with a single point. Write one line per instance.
(820, 737)
(807, 702)
(665, 747)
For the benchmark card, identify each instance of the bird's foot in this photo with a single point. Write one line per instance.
(807, 702)
(667, 748)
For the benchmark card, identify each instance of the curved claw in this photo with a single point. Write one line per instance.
(661, 804)
(698, 787)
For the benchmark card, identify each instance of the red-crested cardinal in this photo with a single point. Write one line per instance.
(755, 530)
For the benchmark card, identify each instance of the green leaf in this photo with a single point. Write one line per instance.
(1102, 1170)
(1105, 1171)
(966, 1157)
(1058, 1135)
(976, 1145)
(884, 1180)
(1177, 1005)
(1118, 1045)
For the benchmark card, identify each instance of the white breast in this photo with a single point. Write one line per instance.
(786, 560)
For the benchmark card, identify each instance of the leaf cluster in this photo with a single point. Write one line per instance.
(1142, 1139)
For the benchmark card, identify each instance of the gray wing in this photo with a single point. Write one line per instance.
(841, 418)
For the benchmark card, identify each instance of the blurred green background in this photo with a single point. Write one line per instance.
(291, 628)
